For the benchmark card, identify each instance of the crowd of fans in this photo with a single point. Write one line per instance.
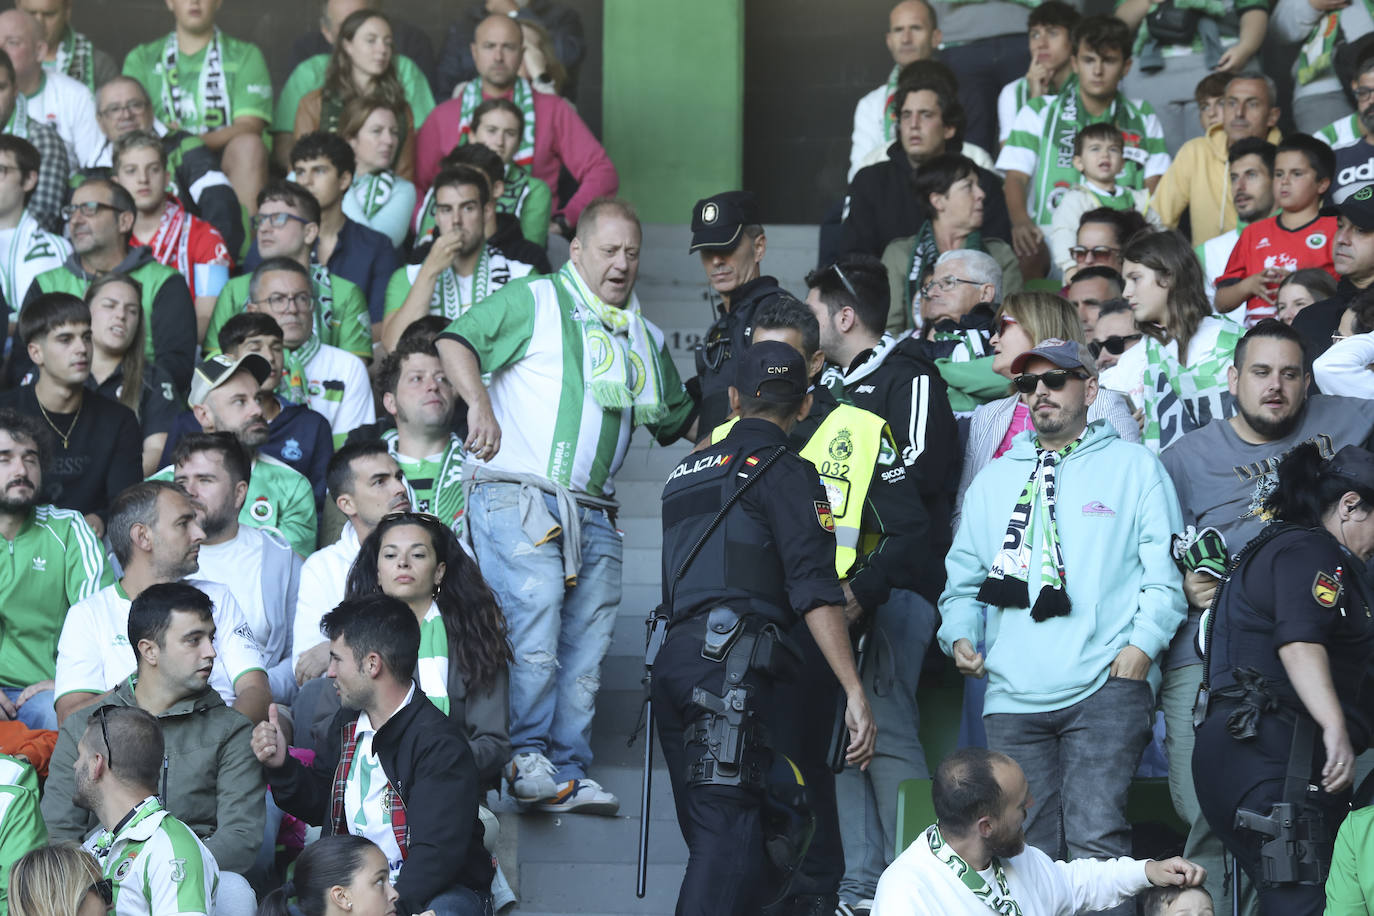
(314, 397)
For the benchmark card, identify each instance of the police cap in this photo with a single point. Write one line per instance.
(718, 221)
(1354, 464)
(773, 371)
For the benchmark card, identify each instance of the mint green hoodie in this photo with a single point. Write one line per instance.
(1116, 509)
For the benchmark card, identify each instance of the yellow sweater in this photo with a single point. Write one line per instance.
(1199, 181)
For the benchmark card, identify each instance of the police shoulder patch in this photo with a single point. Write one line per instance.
(1326, 589)
(824, 515)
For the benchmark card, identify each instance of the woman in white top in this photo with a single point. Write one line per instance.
(1176, 376)
(378, 198)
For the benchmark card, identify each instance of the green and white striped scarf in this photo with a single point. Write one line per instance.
(997, 898)
(619, 353)
(76, 58)
(294, 386)
(445, 499)
(447, 299)
(1316, 59)
(372, 190)
(523, 97)
(431, 668)
(1179, 398)
(1007, 584)
(181, 109)
(19, 123)
(890, 116)
(516, 188)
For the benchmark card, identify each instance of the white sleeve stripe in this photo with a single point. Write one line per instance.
(916, 423)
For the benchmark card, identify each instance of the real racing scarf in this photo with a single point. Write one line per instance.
(1179, 398)
(295, 384)
(76, 58)
(446, 498)
(372, 190)
(996, 896)
(1007, 584)
(924, 254)
(620, 358)
(447, 299)
(515, 189)
(183, 108)
(1315, 59)
(523, 97)
(171, 244)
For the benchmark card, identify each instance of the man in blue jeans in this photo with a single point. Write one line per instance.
(574, 368)
(1082, 597)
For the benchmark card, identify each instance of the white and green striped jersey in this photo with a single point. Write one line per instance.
(156, 865)
(1342, 133)
(21, 822)
(1041, 146)
(340, 391)
(1010, 101)
(551, 425)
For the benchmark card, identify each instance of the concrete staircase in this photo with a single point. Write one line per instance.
(585, 864)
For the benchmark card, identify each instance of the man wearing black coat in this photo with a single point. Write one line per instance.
(393, 768)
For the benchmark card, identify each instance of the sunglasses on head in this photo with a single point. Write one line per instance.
(1054, 380)
(104, 889)
(1115, 345)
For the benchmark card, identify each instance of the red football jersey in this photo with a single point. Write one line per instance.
(1267, 244)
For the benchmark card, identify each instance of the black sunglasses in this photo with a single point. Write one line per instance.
(849, 287)
(1115, 345)
(1054, 380)
(104, 888)
(105, 733)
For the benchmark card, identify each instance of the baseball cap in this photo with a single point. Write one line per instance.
(718, 221)
(773, 371)
(1066, 354)
(217, 370)
(1356, 205)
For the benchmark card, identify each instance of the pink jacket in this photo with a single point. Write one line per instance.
(560, 139)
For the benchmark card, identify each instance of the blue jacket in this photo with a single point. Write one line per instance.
(1116, 509)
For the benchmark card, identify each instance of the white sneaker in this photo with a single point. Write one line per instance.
(531, 777)
(581, 796)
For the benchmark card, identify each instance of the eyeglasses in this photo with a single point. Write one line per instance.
(281, 302)
(1362, 95)
(946, 285)
(1115, 345)
(105, 733)
(1054, 380)
(1100, 251)
(277, 219)
(89, 209)
(104, 889)
(137, 106)
(1338, 337)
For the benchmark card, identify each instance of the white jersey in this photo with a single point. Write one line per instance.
(156, 865)
(322, 588)
(340, 391)
(68, 107)
(28, 250)
(94, 654)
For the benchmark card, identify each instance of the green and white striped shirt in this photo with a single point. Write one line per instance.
(1343, 133)
(529, 338)
(158, 867)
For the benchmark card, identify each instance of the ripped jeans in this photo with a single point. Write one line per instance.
(559, 635)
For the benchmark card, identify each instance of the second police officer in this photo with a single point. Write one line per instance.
(726, 233)
(1289, 680)
(748, 552)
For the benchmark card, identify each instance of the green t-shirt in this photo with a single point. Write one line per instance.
(421, 475)
(279, 499)
(21, 830)
(309, 76)
(246, 90)
(55, 561)
(341, 316)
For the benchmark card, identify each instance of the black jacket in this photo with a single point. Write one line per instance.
(730, 335)
(1319, 321)
(882, 205)
(428, 762)
(906, 390)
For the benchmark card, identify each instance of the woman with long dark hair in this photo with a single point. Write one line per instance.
(464, 650)
(1290, 670)
(1176, 377)
(339, 875)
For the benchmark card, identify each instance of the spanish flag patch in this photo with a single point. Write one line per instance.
(824, 516)
(752, 460)
(1326, 589)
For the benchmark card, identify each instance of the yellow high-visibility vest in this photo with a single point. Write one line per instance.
(845, 450)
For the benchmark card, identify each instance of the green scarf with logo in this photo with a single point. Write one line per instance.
(996, 896)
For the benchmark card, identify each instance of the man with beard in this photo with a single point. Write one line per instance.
(155, 864)
(981, 799)
(1251, 173)
(214, 783)
(33, 597)
(1222, 473)
(155, 537)
(214, 470)
(224, 399)
(1071, 684)
(461, 269)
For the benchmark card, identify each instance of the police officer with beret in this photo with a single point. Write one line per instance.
(1288, 691)
(748, 552)
(727, 234)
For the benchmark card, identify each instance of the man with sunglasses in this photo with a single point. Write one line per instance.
(211, 781)
(1076, 594)
(122, 106)
(726, 233)
(155, 864)
(1223, 472)
(1114, 333)
(287, 226)
(100, 220)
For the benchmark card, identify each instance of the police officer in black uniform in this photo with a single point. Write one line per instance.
(1288, 689)
(727, 234)
(748, 552)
